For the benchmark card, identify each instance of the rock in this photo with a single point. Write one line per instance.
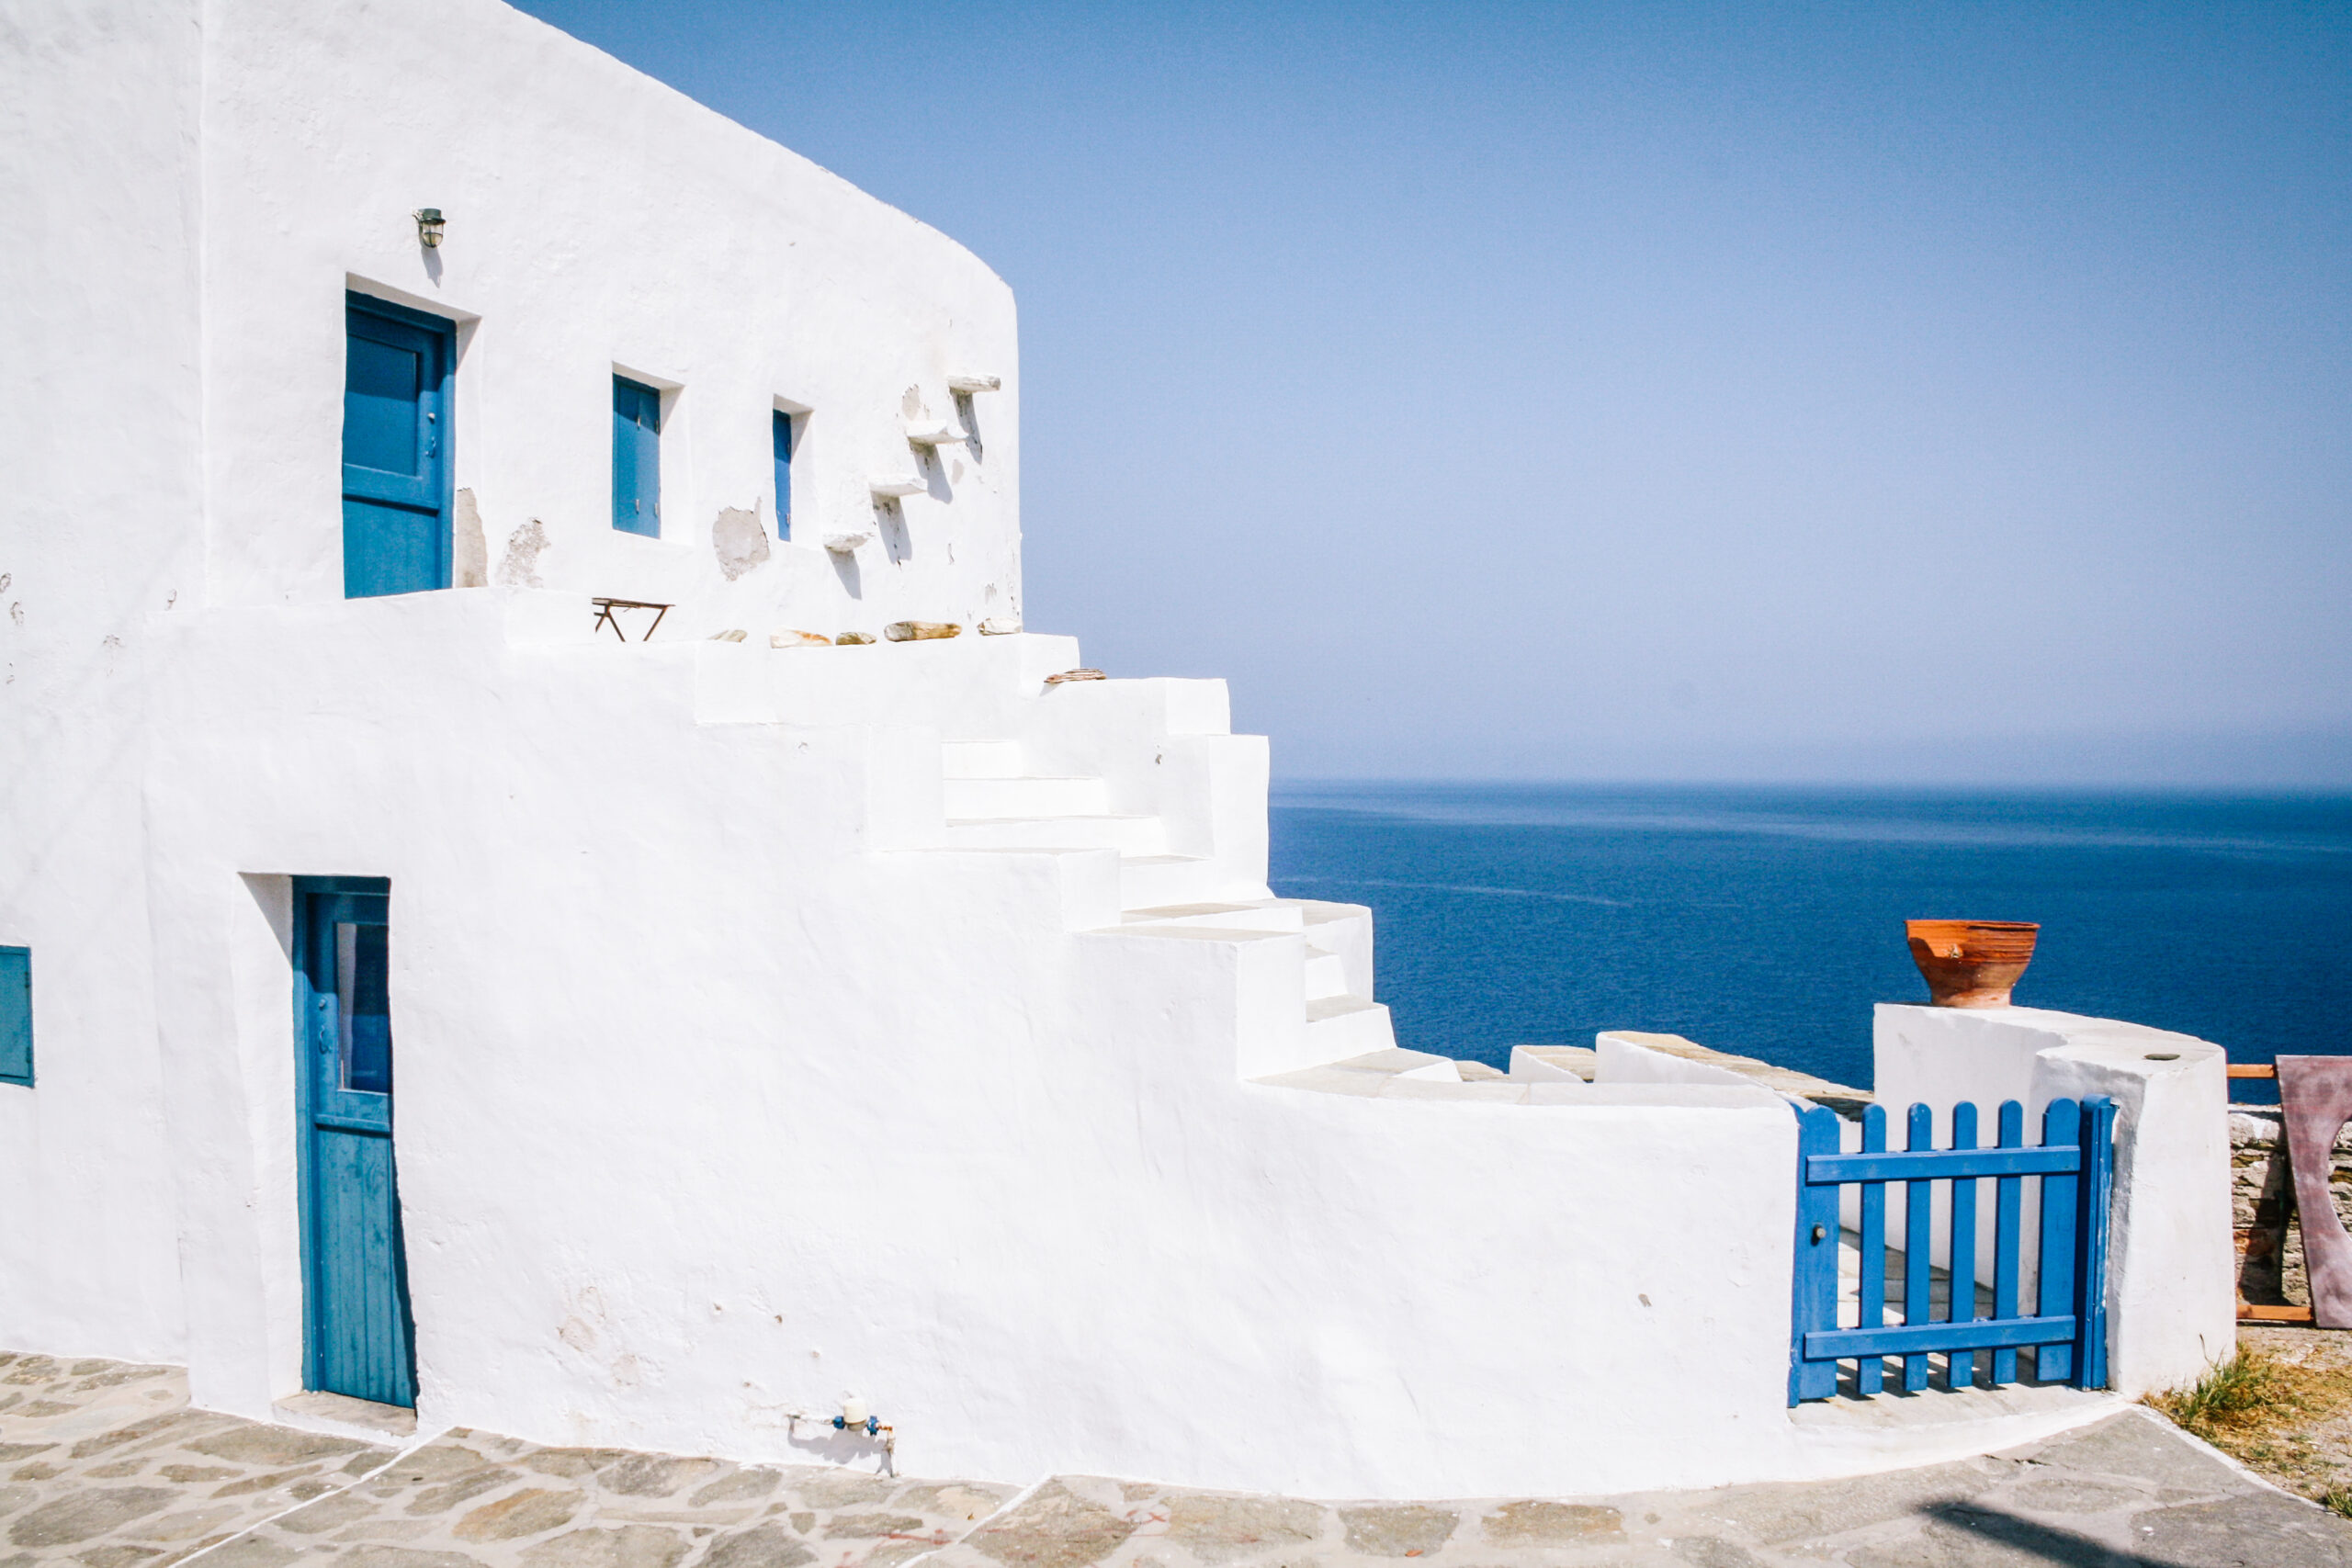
(742, 1485)
(403, 1557)
(78, 1516)
(841, 1489)
(798, 639)
(652, 1476)
(631, 1546)
(527, 1512)
(762, 1546)
(958, 1500)
(1552, 1524)
(728, 635)
(863, 1527)
(920, 631)
(1221, 1529)
(1076, 675)
(1476, 1072)
(853, 639)
(1409, 1531)
(253, 1551)
(1054, 1529)
(999, 625)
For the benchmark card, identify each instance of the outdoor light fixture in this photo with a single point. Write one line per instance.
(428, 228)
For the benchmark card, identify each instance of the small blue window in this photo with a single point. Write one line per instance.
(17, 1015)
(782, 475)
(636, 457)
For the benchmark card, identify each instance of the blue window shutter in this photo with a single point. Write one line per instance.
(782, 475)
(636, 457)
(16, 1015)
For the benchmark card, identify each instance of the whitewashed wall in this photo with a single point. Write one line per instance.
(99, 421)
(597, 220)
(723, 1095)
(728, 1084)
(2171, 1286)
(192, 189)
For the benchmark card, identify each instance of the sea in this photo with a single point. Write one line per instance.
(1766, 922)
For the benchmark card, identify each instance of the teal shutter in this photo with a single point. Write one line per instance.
(636, 457)
(17, 1015)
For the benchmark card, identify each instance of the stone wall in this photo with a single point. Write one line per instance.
(2262, 1201)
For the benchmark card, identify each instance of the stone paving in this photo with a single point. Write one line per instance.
(104, 1465)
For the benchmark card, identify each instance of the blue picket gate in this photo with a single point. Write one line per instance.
(2066, 1328)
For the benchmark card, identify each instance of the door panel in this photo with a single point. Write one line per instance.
(357, 1332)
(636, 457)
(395, 450)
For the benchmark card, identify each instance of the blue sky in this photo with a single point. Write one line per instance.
(1879, 393)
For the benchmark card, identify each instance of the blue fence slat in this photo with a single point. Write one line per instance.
(2009, 1227)
(1961, 1369)
(2067, 1325)
(1815, 1308)
(1942, 1164)
(1897, 1339)
(2094, 1199)
(1870, 1373)
(1919, 1245)
(2060, 1124)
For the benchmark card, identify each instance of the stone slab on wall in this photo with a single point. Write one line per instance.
(2262, 1203)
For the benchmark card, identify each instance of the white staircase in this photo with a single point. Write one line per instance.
(992, 803)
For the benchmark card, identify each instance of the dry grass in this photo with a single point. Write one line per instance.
(2287, 1416)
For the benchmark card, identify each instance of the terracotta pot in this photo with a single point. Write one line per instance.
(1970, 964)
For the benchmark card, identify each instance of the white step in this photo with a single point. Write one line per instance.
(981, 759)
(1340, 1027)
(1327, 975)
(1258, 915)
(1131, 836)
(969, 799)
(1155, 881)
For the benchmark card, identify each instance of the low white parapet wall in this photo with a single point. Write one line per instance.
(2171, 1300)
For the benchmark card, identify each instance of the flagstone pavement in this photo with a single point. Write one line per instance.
(104, 1465)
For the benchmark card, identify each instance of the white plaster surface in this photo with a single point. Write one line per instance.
(773, 1025)
(2171, 1297)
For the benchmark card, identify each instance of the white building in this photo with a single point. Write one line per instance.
(774, 1023)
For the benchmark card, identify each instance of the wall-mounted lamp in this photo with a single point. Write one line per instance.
(428, 228)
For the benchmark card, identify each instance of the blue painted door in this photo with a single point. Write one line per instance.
(781, 437)
(395, 449)
(358, 1334)
(636, 457)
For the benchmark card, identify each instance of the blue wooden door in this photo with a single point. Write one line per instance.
(358, 1334)
(395, 450)
(636, 457)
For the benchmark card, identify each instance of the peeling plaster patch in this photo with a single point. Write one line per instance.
(17, 612)
(521, 566)
(469, 566)
(911, 404)
(740, 540)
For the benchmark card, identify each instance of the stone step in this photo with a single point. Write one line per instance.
(998, 799)
(1131, 836)
(981, 759)
(1327, 975)
(1344, 1026)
